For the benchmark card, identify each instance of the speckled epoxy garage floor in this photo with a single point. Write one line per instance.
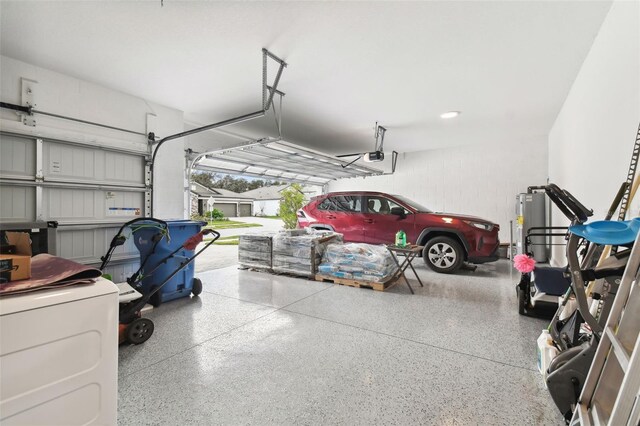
(262, 349)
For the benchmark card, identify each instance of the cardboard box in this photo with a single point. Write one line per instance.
(17, 266)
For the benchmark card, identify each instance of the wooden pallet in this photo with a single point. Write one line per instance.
(359, 284)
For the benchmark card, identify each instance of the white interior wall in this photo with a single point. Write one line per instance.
(591, 142)
(171, 195)
(476, 180)
(68, 96)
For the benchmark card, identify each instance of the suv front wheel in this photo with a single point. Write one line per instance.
(443, 254)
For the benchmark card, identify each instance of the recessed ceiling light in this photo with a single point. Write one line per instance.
(450, 114)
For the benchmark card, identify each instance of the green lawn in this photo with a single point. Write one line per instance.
(230, 224)
(270, 217)
(232, 240)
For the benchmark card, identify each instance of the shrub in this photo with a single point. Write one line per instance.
(215, 214)
(292, 200)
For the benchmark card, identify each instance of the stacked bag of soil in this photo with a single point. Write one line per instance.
(360, 262)
(299, 251)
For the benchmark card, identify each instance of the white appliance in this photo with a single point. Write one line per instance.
(59, 356)
(530, 212)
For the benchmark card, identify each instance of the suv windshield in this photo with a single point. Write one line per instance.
(411, 203)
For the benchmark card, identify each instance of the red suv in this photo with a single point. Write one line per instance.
(375, 217)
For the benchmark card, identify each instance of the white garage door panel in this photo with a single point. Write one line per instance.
(72, 163)
(74, 205)
(124, 168)
(17, 203)
(121, 271)
(89, 190)
(17, 156)
(88, 245)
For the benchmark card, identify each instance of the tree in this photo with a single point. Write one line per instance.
(255, 184)
(231, 183)
(203, 178)
(235, 184)
(292, 200)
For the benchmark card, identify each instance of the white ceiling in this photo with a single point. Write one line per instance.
(506, 65)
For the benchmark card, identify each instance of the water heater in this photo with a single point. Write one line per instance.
(530, 212)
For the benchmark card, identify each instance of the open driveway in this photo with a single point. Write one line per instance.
(216, 257)
(268, 225)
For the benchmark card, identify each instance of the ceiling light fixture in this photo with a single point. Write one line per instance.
(450, 114)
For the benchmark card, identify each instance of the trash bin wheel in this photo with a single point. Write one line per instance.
(197, 287)
(139, 330)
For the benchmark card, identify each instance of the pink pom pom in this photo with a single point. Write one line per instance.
(524, 263)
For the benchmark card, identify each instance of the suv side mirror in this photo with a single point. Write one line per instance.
(398, 211)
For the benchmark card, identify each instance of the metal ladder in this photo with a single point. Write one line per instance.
(624, 200)
(611, 393)
(633, 165)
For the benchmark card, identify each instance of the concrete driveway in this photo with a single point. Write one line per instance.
(216, 257)
(268, 225)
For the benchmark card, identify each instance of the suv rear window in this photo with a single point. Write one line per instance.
(341, 203)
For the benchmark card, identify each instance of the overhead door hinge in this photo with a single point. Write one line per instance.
(27, 89)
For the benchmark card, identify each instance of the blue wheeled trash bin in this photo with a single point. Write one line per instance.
(153, 258)
(167, 251)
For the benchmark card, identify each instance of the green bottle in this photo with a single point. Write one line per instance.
(401, 238)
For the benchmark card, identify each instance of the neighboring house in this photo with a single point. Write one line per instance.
(230, 203)
(266, 200)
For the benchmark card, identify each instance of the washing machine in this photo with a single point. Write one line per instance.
(59, 356)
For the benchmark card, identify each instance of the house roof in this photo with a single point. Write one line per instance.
(227, 193)
(200, 190)
(266, 192)
(273, 192)
(218, 193)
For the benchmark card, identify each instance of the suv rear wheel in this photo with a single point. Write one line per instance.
(443, 254)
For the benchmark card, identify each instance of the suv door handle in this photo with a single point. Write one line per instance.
(368, 221)
(331, 217)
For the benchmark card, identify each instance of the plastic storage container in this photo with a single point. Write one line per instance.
(182, 284)
(546, 352)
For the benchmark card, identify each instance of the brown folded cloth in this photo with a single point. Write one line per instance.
(49, 271)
